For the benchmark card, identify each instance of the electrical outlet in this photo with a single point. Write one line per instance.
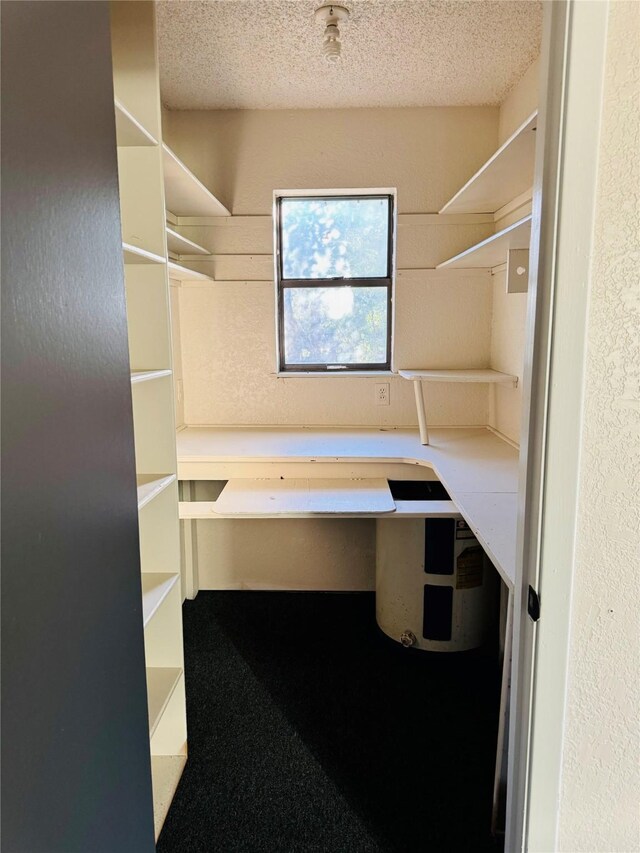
(382, 394)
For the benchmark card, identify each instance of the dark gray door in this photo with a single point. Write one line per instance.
(75, 757)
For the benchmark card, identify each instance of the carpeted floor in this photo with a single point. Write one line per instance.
(311, 731)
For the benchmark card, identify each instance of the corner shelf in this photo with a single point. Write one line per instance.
(136, 255)
(474, 375)
(182, 246)
(129, 132)
(492, 251)
(186, 195)
(161, 682)
(150, 485)
(506, 175)
(180, 273)
(146, 375)
(156, 586)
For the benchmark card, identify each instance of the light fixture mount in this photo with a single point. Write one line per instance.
(331, 15)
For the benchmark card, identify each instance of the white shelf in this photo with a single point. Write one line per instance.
(136, 255)
(166, 771)
(180, 273)
(150, 485)
(146, 375)
(506, 175)
(492, 251)
(155, 588)
(301, 498)
(182, 246)
(186, 195)
(129, 131)
(420, 376)
(161, 682)
(491, 376)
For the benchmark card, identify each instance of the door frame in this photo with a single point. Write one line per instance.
(564, 202)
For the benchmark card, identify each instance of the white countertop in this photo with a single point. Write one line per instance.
(478, 469)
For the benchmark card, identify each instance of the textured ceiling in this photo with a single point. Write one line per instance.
(266, 54)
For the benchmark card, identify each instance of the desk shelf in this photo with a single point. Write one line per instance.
(506, 175)
(185, 194)
(492, 377)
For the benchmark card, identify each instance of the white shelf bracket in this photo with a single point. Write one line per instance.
(422, 412)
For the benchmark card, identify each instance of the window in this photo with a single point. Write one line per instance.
(334, 264)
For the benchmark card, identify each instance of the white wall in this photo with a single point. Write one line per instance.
(600, 772)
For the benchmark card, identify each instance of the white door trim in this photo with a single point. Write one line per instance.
(563, 215)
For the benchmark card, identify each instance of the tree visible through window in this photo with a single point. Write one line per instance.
(334, 282)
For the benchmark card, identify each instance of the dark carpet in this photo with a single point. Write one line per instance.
(309, 730)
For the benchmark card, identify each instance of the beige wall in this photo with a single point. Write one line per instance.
(520, 102)
(243, 155)
(600, 772)
(228, 329)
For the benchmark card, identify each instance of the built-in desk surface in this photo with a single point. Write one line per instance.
(478, 469)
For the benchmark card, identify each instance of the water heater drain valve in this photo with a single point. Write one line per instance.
(408, 639)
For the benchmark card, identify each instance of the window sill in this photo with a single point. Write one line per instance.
(332, 374)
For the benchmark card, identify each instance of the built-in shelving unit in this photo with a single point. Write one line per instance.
(142, 205)
(161, 682)
(150, 485)
(156, 586)
(418, 377)
(180, 273)
(148, 375)
(506, 175)
(493, 251)
(185, 194)
(180, 245)
(136, 255)
(129, 131)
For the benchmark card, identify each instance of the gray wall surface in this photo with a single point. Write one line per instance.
(75, 760)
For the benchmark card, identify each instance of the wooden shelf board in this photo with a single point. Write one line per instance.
(155, 588)
(166, 771)
(183, 246)
(146, 375)
(473, 375)
(507, 174)
(186, 195)
(180, 273)
(492, 251)
(136, 255)
(150, 485)
(161, 682)
(129, 131)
